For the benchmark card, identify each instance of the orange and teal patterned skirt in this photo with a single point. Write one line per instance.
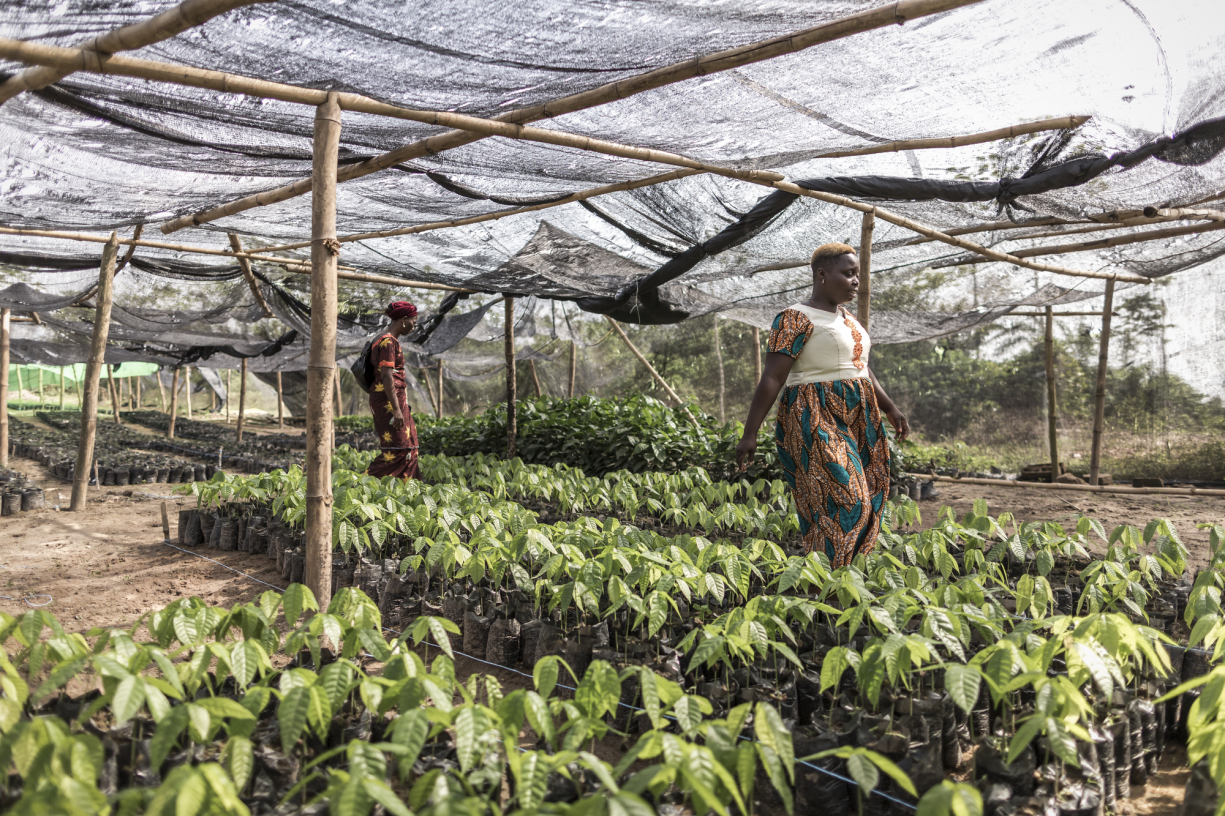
(835, 457)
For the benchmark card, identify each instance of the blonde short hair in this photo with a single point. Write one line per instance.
(827, 252)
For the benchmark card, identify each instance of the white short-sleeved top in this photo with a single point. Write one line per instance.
(827, 346)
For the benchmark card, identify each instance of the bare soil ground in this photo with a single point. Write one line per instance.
(108, 566)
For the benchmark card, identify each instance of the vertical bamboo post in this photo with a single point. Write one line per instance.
(93, 372)
(242, 397)
(138, 394)
(1051, 406)
(756, 356)
(63, 385)
(174, 402)
(229, 389)
(511, 384)
(1099, 396)
(650, 368)
(280, 402)
(5, 325)
(77, 381)
(573, 368)
(531, 366)
(40, 387)
(187, 389)
(20, 385)
(440, 392)
(429, 387)
(722, 381)
(865, 268)
(114, 392)
(339, 407)
(161, 389)
(322, 365)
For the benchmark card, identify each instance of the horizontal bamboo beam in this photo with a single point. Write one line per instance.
(1190, 214)
(168, 24)
(387, 280)
(1160, 491)
(893, 13)
(1060, 123)
(1101, 243)
(494, 216)
(137, 242)
(1056, 314)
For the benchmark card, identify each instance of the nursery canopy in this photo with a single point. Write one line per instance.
(1075, 117)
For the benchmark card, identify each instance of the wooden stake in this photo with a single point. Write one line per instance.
(531, 366)
(1057, 314)
(114, 392)
(40, 387)
(573, 368)
(893, 13)
(756, 356)
(865, 268)
(165, 523)
(512, 384)
(245, 265)
(229, 392)
(280, 402)
(20, 385)
(322, 366)
(242, 397)
(187, 388)
(339, 406)
(440, 391)
(93, 372)
(655, 374)
(161, 389)
(63, 385)
(1052, 410)
(80, 398)
(722, 381)
(174, 402)
(429, 386)
(6, 316)
(1099, 395)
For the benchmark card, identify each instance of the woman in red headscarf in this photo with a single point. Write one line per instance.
(393, 421)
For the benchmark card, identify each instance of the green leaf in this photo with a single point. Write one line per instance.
(129, 697)
(292, 715)
(532, 780)
(769, 729)
(239, 760)
(224, 707)
(962, 684)
(863, 771)
(544, 674)
(385, 796)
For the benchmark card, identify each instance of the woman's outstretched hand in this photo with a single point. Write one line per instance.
(745, 452)
(898, 420)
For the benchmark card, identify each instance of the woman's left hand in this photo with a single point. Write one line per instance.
(898, 420)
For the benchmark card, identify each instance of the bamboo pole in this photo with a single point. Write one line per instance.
(1099, 393)
(893, 13)
(1101, 243)
(129, 38)
(280, 402)
(110, 386)
(161, 390)
(1057, 314)
(429, 386)
(174, 402)
(338, 407)
(756, 356)
(1061, 123)
(77, 380)
(531, 366)
(244, 264)
(864, 304)
(573, 368)
(512, 385)
(440, 390)
(5, 329)
(242, 398)
(93, 372)
(138, 400)
(1157, 491)
(63, 385)
(650, 368)
(20, 385)
(1052, 408)
(322, 365)
(40, 388)
(722, 380)
(187, 389)
(228, 391)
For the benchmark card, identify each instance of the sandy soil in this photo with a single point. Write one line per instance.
(108, 566)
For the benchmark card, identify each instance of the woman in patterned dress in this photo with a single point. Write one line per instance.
(831, 442)
(393, 421)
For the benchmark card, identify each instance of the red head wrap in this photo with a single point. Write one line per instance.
(401, 308)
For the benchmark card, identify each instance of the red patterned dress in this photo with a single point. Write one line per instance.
(399, 445)
(831, 442)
